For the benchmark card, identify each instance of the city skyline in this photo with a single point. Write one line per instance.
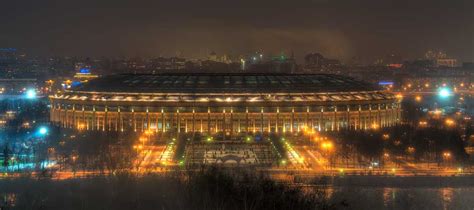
(366, 30)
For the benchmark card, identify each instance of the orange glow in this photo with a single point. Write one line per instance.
(449, 122)
(327, 145)
(80, 126)
(423, 123)
(375, 126)
(418, 98)
(148, 132)
(446, 155)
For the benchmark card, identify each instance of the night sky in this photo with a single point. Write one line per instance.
(341, 29)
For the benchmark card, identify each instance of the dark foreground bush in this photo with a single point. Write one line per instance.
(206, 189)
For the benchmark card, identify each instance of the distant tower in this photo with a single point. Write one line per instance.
(213, 56)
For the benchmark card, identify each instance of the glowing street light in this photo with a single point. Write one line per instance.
(418, 98)
(43, 130)
(446, 155)
(423, 123)
(449, 122)
(444, 92)
(209, 139)
(30, 94)
(327, 145)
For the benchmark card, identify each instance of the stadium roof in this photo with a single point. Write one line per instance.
(225, 83)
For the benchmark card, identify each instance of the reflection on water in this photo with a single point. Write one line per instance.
(402, 198)
(447, 196)
(365, 197)
(388, 195)
(8, 200)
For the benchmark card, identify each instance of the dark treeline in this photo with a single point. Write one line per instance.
(417, 143)
(94, 150)
(206, 189)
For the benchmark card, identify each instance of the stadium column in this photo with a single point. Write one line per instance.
(120, 119)
(321, 117)
(147, 119)
(306, 123)
(156, 122)
(371, 121)
(348, 115)
(84, 118)
(298, 123)
(73, 116)
(392, 114)
(269, 122)
(200, 129)
(276, 120)
(254, 124)
(216, 123)
(93, 117)
(117, 119)
(209, 120)
(200, 125)
(134, 122)
(247, 129)
(378, 116)
(359, 120)
(222, 124)
(106, 120)
(231, 122)
(142, 120)
(194, 121)
(178, 121)
(334, 124)
(59, 115)
(186, 124)
(239, 128)
(292, 119)
(261, 120)
(65, 117)
(163, 121)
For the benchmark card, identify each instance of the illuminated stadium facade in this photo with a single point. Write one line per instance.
(225, 103)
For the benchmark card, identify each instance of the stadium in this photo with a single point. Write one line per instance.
(225, 104)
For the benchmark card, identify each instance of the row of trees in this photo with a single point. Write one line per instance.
(94, 150)
(406, 141)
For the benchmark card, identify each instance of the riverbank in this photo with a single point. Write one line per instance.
(387, 181)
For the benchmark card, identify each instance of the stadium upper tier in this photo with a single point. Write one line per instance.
(225, 83)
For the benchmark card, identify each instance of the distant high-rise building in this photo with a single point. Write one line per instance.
(317, 62)
(213, 56)
(441, 59)
(158, 64)
(446, 62)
